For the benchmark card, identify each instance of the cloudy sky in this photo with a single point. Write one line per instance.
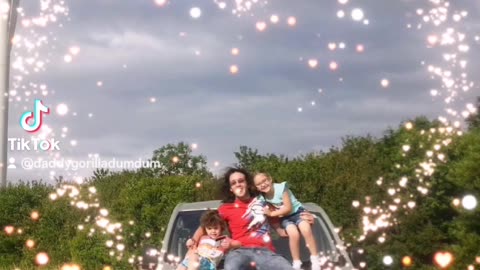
(147, 75)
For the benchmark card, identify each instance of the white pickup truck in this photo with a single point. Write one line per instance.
(185, 219)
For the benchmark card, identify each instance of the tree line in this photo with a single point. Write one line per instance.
(143, 200)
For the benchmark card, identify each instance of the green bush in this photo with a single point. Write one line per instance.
(331, 179)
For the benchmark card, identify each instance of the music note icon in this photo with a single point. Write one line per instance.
(37, 115)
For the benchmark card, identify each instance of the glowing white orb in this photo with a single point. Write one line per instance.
(261, 26)
(432, 39)
(313, 63)
(291, 21)
(233, 69)
(355, 204)
(357, 14)
(160, 2)
(411, 204)
(266, 239)
(384, 83)
(68, 58)
(103, 212)
(333, 65)
(195, 12)
(360, 48)
(120, 247)
(9, 230)
(62, 109)
(152, 252)
(274, 19)
(30, 243)
(469, 202)
(74, 50)
(42, 258)
(387, 260)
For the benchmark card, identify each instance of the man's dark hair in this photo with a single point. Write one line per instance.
(228, 196)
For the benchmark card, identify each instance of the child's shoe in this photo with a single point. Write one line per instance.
(315, 261)
(297, 265)
(323, 260)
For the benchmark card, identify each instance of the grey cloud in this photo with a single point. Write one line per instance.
(197, 100)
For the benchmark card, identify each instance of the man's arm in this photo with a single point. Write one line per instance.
(228, 243)
(235, 244)
(275, 224)
(307, 216)
(280, 231)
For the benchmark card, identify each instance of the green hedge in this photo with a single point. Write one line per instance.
(332, 179)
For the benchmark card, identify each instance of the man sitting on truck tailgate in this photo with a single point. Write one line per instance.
(244, 214)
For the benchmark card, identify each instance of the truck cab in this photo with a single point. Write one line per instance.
(185, 220)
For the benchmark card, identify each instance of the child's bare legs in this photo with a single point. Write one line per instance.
(306, 230)
(189, 258)
(193, 261)
(294, 243)
(181, 267)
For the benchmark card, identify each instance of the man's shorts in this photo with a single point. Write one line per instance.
(205, 264)
(292, 218)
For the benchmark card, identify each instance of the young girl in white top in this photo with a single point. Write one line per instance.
(288, 210)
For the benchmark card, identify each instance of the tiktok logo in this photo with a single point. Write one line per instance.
(37, 115)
